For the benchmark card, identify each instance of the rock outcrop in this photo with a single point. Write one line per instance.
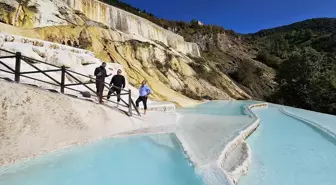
(38, 13)
(234, 56)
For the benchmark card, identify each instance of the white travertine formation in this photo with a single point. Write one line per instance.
(60, 12)
(41, 43)
(126, 22)
(209, 141)
(238, 161)
(209, 129)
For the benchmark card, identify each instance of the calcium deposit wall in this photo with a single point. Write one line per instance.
(126, 22)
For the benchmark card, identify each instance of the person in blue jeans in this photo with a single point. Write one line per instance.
(144, 92)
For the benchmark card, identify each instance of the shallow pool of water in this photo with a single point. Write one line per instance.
(323, 120)
(140, 160)
(223, 108)
(287, 151)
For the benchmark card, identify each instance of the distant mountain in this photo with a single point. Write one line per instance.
(316, 25)
(318, 34)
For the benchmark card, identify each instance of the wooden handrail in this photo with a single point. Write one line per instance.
(64, 71)
(86, 83)
(40, 80)
(80, 81)
(38, 61)
(46, 71)
(4, 57)
(7, 66)
(10, 72)
(7, 51)
(59, 83)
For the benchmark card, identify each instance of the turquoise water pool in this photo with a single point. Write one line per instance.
(288, 151)
(223, 108)
(140, 160)
(284, 150)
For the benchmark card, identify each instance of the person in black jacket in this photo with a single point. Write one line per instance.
(101, 74)
(117, 83)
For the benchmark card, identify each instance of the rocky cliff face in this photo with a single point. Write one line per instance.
(231, 55)
(145, 50)
(167, 71)
(40, 13)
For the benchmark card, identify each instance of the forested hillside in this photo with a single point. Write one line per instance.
(304, 55)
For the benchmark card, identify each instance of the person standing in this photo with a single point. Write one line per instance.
(144, 92)
(116, 85)
(101, 74)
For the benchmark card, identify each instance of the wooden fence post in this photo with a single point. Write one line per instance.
(63, 80)
(17, 66)
(130, 102)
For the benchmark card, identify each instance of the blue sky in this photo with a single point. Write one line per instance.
(243, 16)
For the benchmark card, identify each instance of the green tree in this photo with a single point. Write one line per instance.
(307, 80)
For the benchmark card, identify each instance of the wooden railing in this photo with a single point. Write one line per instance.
(61, 84)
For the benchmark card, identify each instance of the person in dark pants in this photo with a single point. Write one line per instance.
(101, 74)
(117, 83)
(144, 92)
